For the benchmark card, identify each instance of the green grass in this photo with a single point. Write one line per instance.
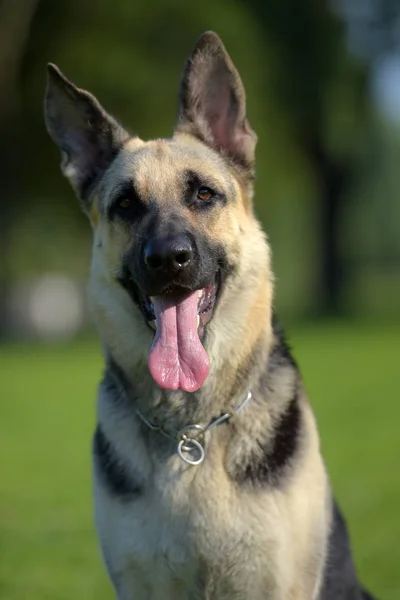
(48, 548)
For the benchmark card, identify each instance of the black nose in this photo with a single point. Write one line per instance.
(168, 254)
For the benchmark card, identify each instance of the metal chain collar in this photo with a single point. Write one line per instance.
(190, 446)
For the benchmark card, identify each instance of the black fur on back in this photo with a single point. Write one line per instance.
(340, 579)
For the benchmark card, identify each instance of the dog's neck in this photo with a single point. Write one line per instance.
(176, 409)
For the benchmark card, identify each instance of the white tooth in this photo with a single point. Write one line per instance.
(151, 299)
(153, 324)
(198, 321)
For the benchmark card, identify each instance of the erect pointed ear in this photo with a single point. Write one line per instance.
(213, 102)
(87, 136)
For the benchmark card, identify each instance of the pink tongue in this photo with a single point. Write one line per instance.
(177, 359)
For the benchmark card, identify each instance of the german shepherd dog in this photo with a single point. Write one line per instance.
(208, 477)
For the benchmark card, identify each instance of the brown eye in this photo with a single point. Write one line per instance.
(205, 194)
(125, 203)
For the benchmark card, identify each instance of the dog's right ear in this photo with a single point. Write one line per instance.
(87, 136)
(212, 103)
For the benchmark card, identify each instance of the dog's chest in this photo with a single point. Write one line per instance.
(179, 526)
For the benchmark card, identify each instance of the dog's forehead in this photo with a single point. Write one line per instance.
(159, 168)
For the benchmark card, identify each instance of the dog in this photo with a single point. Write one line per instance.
(208, 477)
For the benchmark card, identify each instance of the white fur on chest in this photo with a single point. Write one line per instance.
(147, 538)
(193, 526)
(187, 524)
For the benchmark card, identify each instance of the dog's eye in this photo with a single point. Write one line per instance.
(205, 193)
(125, 203)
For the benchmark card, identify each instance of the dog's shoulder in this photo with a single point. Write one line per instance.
(279, 426)
(115, 444)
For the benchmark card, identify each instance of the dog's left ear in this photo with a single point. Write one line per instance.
(87, 136)
(213, 102)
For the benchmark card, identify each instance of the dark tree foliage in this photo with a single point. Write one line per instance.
(15, 25)
(311, 55)
(305, 62)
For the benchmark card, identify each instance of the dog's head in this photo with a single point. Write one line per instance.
(176, 245)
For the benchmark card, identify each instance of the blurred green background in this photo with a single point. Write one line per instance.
(323, 88)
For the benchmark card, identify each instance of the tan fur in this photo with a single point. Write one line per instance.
(197, 533)
(291, 518)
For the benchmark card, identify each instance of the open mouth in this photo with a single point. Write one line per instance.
(207, 298)
(177, 358)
